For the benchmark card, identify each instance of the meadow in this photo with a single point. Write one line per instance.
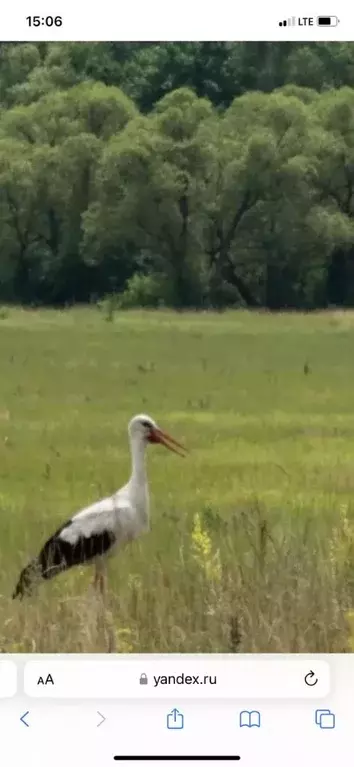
(252, 535)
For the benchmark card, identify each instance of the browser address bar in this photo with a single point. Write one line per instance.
(167, 677)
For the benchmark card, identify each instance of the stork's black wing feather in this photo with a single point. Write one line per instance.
(59, 554)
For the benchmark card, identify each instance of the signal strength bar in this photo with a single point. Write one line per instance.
(288, 22)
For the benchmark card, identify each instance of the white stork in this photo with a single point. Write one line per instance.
(96, 530)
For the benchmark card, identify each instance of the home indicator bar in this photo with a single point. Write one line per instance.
(176, 758)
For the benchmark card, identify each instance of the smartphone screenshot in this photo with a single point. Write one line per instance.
(176, 384)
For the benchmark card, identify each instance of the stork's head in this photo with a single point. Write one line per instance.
(145, 429)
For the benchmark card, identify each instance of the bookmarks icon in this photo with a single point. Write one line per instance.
(250, 719)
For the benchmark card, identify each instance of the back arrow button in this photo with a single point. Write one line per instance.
(23, 717)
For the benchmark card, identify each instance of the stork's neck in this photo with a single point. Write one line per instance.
(138, 476)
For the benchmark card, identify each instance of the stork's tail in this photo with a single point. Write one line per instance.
(27, 580)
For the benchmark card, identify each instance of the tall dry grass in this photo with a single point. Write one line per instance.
(252, 540)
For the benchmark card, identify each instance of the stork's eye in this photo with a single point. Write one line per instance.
(146, 424)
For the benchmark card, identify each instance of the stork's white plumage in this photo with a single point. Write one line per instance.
(108, 524)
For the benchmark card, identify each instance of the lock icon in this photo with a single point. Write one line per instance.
(143, 679)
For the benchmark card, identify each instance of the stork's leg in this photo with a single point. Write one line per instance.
(104, 617)
(95, 580)
(100, 580)
(103, 582)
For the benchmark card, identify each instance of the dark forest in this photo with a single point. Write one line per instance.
(177, 174)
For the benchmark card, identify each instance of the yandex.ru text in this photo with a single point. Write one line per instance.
(184, 679)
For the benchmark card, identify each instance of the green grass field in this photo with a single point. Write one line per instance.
(252, 540)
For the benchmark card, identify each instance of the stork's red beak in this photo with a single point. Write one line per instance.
(156, 435)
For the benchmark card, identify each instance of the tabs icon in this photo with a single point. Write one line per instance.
(325, 719)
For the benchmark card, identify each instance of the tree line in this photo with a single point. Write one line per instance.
(186, 175)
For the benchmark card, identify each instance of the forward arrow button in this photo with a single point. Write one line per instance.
(102, 719)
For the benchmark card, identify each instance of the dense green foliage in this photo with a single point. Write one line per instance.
(185, 174)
